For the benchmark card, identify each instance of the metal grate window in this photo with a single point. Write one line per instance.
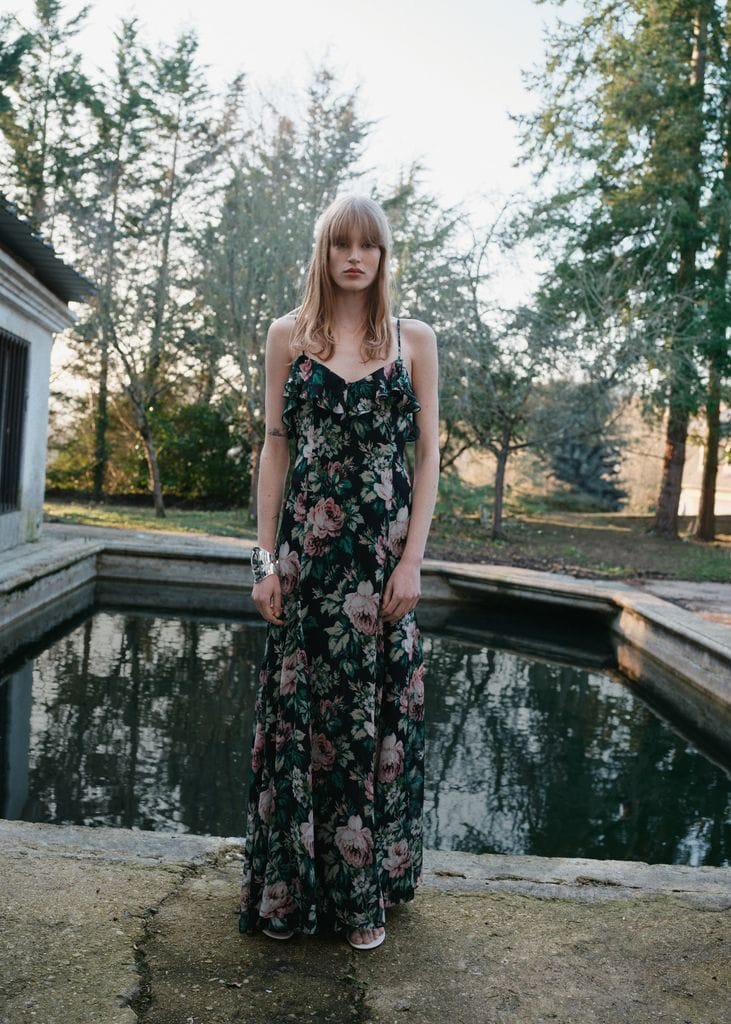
(13, 372)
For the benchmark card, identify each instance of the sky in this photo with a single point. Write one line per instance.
(439, 76)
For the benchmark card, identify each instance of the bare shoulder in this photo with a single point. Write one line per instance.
(418, 333)
(420, 346)
(278, 339)
(280, 330)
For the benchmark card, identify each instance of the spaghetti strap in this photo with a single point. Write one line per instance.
(398, 335)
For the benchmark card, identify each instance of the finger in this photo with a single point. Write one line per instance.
(390, 597)
(268, 611)
(394, 612)
(408, 604)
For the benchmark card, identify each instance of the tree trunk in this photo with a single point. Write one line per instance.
(153, 469)
(497, 507)
(107, 337)
(101, 425)
(706, 524)
(719, 323)
(666, 517)
(255, 456)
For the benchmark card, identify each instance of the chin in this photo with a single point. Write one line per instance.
(356, 284)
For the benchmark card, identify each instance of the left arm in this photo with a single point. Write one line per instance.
(403, 588)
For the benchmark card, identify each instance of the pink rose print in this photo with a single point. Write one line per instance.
(398, 530)
(283, 735)
(257, 748)
(300, 511)
(288, 678)
(323, 753)
(381, 550)
(325, 521)
(306, 369)
(266, 802)
(398, 859)
(361, 607)
(276, 901)
(368, 788)
(289, 568)
(307, 835)
(391, 762)
(355, 842)
(412, 699)
(327, 518)
(315, 545)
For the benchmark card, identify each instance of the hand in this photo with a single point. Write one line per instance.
(402, 591)
(267, 597)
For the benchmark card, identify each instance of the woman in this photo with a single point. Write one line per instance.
(335, 819)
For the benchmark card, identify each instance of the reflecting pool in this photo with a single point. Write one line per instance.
(129, 719)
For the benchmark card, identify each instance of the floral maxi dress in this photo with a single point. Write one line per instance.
(335, 805)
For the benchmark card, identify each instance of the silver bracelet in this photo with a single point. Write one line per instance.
(263, 564)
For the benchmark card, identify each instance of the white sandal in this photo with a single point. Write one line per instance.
(277, 935)
(367, 945)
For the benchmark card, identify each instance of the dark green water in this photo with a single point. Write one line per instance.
(140, 721)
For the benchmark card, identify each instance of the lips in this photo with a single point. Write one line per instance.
(354, 272)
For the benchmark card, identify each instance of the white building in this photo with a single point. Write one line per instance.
(35, 289)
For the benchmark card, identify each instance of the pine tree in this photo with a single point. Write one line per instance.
(622, 119)
(185, 144)
(106, 216)
(42, 116)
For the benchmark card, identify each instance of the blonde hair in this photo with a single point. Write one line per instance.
(344, 218)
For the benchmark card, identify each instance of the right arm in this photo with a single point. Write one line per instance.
(273, 463)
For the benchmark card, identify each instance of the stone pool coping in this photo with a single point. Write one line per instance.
(119, 926)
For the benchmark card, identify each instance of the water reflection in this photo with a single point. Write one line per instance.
(531, 757)
(141, 721)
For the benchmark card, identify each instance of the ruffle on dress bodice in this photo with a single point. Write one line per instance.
(312, 381)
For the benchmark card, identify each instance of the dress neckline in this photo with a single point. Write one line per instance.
(358, 380)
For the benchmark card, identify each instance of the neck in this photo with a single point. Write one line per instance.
(351, 309)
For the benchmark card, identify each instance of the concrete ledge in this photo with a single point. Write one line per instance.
(30, 838)
(42, 585)
(574, 878)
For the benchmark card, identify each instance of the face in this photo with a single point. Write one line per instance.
(353, 264)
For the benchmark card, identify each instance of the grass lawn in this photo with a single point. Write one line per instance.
(612, 545)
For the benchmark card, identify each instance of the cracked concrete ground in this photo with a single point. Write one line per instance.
(114, 926)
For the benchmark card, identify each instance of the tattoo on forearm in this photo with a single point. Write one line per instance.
(276, 432)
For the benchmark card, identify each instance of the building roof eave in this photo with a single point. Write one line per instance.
(19, 239)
